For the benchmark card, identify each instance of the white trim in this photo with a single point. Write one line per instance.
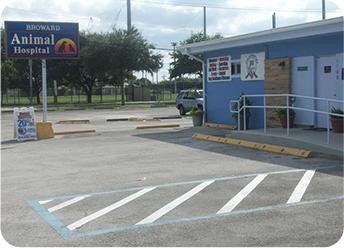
(284, 33)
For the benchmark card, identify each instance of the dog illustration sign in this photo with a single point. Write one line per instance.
(46, 40)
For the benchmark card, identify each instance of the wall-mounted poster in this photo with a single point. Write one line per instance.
(252, 66)
(219, 69)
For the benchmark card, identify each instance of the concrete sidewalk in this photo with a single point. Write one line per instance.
(310, 140)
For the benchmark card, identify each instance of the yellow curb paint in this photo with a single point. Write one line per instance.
(74, 132)
(286, 150)
(44, 130)
(157, 126)
(249, 144)
(256, 145)
(220, 126)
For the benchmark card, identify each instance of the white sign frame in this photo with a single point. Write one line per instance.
(219, 69)
(24, 124)
(253, 66)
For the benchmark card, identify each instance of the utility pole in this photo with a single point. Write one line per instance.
(323, 10)
(204, 22)
(274, 20)
(174, 44)
(128, 15)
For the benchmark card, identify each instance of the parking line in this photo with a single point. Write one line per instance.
(108, 209)
(45, 201)
(242, 194)
(66, 233)
(67, 203)
(197, 218)
(167, 208)
(302, 186)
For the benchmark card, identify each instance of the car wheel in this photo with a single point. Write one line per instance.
(181, 110)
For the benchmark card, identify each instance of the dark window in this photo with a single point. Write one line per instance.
(327, 69)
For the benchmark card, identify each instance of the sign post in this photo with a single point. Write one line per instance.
(44, 88)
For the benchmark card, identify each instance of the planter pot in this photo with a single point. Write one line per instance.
(284, 122)
(197, 120)
(337, 125)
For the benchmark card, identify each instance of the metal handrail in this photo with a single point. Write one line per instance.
(288, 96)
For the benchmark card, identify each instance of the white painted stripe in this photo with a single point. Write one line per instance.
(167, 208)
(242, 194)
(108, 209)
(302, 186)
(67, 203)
(44, 202)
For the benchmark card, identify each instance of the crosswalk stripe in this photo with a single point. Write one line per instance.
(167, 208)
(108, 209)
(242, 194)
(67, 203)
(302, 186)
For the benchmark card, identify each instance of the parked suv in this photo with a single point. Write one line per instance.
(187, 99)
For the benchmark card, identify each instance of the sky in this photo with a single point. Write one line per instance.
(165, 21)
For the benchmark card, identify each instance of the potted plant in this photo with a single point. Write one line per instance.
(282, 115)
(337, 121)
(235, 115)
(197, 116)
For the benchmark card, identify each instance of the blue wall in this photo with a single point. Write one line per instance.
(219, 94)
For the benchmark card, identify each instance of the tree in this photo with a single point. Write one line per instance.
(22, 66)
(9, 75)
(129, 51)
(182, 64)
(86, 71)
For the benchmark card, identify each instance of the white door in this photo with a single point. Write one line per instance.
(302, 83)
(326, 86)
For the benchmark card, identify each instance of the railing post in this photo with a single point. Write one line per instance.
(239, 115)
(288, 115)
(264, 114)
(328, 122)
(244, 113)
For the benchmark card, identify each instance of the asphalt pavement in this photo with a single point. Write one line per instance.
(122, 186)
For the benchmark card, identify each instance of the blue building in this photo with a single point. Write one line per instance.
(305, 59)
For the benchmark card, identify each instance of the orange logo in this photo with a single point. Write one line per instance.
(66, 46)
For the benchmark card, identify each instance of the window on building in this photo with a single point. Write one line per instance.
(236, 68)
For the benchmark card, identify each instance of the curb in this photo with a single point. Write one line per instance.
(256, 145)
(157, 126)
